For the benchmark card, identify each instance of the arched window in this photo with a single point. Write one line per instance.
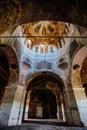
(36, 49)
(51, 49)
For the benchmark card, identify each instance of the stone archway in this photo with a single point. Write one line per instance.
(44, 98)
(66, 110)
(77, 66)
(78, 78)
(9, 76)
(83, 74)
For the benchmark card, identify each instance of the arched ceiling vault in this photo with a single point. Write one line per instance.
(45, 32)
(15, 12)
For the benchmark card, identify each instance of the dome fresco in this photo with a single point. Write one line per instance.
(47, 32)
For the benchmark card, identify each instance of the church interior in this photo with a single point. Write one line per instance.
(43, 62)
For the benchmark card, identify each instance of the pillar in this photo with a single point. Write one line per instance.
(63, 112)
(60, 111)
(27, 106)
(7, 102)
(16, 107)
(81, 100)
(72, 113)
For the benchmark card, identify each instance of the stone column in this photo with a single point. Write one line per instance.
(60, 111)
(81, 100)
(63, 112)
(72, 114)
(57, 108)
(22, 107)
(27, 106)
(7, 102)
(16, 107)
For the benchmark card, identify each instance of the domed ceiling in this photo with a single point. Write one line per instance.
(49, 32)
(44, 28)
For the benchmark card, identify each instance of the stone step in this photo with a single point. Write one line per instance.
(41, 127)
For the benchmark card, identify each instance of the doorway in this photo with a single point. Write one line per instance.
(44, 99)
(42, 104)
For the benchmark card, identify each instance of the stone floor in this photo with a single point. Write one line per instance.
(40, 127)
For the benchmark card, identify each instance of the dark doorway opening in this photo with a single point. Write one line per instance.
(4, 73)
(42, 104)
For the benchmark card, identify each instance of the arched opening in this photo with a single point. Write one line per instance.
(8, 81)
(42, 104)
(79, 69)
(83, 74)
(4, 73)
(79, 81)
(44, 99)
